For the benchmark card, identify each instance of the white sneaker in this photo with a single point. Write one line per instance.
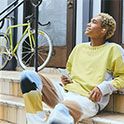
(60, 115)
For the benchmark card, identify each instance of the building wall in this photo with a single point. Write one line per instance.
(4, 4)
(57, 29)
(79, 24)
(54, 11)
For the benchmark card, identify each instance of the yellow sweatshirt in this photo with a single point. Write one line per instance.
(101, 66)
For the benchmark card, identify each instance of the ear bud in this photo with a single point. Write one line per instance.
(103, 29)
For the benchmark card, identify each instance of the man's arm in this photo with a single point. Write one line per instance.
(117, 69)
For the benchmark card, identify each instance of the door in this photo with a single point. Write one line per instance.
(109, 6)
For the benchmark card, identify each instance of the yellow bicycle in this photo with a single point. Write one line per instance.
(24, 50)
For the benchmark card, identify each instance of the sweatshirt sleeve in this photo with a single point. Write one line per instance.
(117, 68)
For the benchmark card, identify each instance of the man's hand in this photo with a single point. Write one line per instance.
(95, 95)
(65, 80)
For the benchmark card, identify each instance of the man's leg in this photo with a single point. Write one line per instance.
(50, 96)
(60, 115)
(74, 110)
(32, 86)
(30, 82)
(67, 112)
(74, 106)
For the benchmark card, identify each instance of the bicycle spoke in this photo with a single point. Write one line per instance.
(44, 53)
(27, 43)
(41, 58)
(28, 59)
(4, 58)
(44, 43)
(24, 56)
(43, 40)
(26, 48)
(27, 52)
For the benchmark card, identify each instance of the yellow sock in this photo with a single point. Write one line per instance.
(33, 101)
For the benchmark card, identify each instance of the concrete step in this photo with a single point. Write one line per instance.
(10, 87)
(10, 84)
(116, 103)
(5, 122)
(12, 109)
(105, 118)
(12, 112)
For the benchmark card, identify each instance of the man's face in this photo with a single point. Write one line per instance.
(94, 29)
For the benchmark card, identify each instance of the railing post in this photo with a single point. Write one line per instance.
(36, 4)
(36, 38)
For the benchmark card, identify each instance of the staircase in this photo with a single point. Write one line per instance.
(12, 110)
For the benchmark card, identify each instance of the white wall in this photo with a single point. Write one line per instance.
(54, 11)
(96, 7)
(20, 20)
(79, 30)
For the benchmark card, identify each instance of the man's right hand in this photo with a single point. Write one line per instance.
(65, 80)
(95, 95)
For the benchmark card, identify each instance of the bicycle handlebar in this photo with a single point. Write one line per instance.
(36, 3)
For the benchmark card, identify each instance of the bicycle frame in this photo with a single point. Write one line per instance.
(10, 34)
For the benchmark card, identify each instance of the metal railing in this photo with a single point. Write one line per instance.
(11, 10)
(36, 4)
(15, 5)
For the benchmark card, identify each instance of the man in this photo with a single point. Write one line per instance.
(96, 70)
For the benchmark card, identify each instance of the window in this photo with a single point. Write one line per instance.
(85, 10)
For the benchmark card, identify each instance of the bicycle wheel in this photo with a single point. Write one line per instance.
(26, 53)
(4, 48)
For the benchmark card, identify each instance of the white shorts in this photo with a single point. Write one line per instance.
(88, 107)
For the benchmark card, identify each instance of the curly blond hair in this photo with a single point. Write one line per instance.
(109, 23)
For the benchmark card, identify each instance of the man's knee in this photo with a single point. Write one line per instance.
(29, 80)
(27, 85)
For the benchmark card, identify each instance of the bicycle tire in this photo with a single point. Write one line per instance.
(4, 48)
(26, 54)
